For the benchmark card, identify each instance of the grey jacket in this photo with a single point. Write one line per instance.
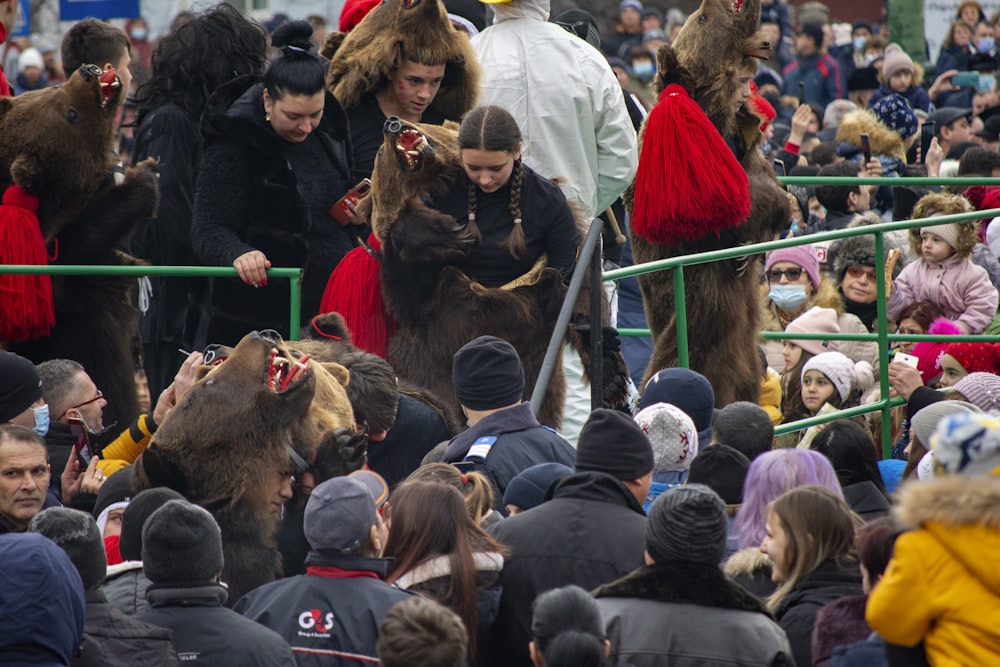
(125, 587)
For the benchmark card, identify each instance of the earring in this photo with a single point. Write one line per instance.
(267, 117)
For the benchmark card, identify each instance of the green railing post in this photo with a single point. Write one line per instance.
(680, 318)
(883, 343)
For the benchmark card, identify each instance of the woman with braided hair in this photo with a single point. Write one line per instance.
(518, 215)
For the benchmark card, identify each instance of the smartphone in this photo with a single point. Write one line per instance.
(965, 79)
(340, 210)
(907, 359)
(927, 132)
(779, 168)
(81, 439)
(802, 92)
(866, 148)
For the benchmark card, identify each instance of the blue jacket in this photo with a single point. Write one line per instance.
(820, 74)
(915, 95)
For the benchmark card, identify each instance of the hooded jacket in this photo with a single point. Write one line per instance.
(249, 197)
(566, 100)
(942, 585)
(111, 638)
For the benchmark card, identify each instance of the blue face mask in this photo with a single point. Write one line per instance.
(859, 43)
(41, 419)
(644, 71)
(985, 44)
(787, 297)
(138, 34)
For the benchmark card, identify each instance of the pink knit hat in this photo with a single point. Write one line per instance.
(895, 61)
(816, 320)
(929, 354)
(980, 389)
(802, 255)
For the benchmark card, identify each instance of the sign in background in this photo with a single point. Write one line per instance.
(938, 17)
(74, 10)
(22, 24)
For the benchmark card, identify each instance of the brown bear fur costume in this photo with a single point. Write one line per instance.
(722, 319)
(56, 143)
(234, 430)
(436, 307)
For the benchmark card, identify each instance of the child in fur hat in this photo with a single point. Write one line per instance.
(944, 272)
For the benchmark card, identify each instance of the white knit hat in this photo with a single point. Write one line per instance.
(842, 372)
(672, 434)
(30, 57)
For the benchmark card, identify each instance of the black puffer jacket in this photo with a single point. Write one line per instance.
(248, 196)
(590, 532)
(111, 638)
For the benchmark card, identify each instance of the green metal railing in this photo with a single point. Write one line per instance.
(882, 336)
(293, 275)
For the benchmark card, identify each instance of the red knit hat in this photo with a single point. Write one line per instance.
(976, 357)
(353, 12)
(762, 107)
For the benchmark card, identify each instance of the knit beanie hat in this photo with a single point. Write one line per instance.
(687, 524)
(20, 387)
(976, 357)
(612, 443)
(980, 389)
(895, 61)
(967, 444)
(353, 12)
(134, 518)
(895, 112)
(842, 372)
(947, 232)
(687, 389)
(487, 374)
(76, 533)
(722, 469)
(929, 354)
(923, 423)
(115, 493)
(816, 320)
(30, 57)
(802, 255)
(528, 488)
(181, 543)
(672, 436)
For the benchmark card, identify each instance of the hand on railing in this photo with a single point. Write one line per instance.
(252, 267)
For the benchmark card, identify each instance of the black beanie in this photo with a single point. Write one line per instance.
(487, 374)
(77, 534)
(688, 524)
(20, 385)
(116, 488)
(134, 518)
(722, 469)
(181, 544)
(612, 442)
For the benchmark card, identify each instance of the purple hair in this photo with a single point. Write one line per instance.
(769, 476)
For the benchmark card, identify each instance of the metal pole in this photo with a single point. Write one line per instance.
(883, 345)
(680, 318)
(596, 370)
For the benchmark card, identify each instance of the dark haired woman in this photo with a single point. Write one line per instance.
(277, 157)
(852, 453)
(443, 554)
(188, 64)
(567, 630)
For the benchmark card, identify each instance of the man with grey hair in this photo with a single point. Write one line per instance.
(834, 113)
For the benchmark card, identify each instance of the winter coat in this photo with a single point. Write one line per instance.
(110, 638)
(589, 532)
(417, 430)
(796, 612)
(838, 623)
(915, 95)
(206, 633)
(827, 296)
(686, 614)
(866, 500)
(519, 442)
(566, 100)
(942, 585)
(820, 75)
(751, 569)
(125, 587)
(961, 289)
(330, 615)
(248, 196)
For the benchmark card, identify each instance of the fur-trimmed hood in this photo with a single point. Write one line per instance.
(439, 567)
(883, 140)
(746, 562)
(953, 500)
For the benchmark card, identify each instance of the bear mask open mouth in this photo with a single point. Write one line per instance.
(110, 86)
(737, 5)
(410, 145)
(284, 373)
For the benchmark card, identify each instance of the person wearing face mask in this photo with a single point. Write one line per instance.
(793, 285)
(21, 400)
(142, 47)
(642, 69)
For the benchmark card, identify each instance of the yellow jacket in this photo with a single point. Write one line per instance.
(942, 585)
(125, 449)
(770, 396)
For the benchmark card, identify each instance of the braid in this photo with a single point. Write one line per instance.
(514, 244)
(473, 228)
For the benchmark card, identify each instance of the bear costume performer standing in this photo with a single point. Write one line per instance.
(702, 185)
(62, 205)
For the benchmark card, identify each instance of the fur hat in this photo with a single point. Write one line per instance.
(858, 251)
(487, 374)
(672, 436)
(134, 518)
(20, 387)
(923, 423)
(928, 354)
(816, 320)
(895, 61)
(980, 389)
(722, 469)
(894, 111)
(976, 357)
(77, 534)
(181, 544)
(687, 524)
(845, 374)
(967, 444)
(528, 488)
(687, 389)
(800, 255)
(612, 443)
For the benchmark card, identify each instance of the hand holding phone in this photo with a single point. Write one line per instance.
(345, 205)
(779, 168)
(802, 92)
(927, 132)
(81, 438)
(866, 148)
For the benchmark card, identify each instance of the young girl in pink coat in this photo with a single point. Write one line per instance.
(944, 272)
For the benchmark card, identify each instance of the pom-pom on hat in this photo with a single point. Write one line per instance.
(923, 423)
(845, 374)
(803, 256)
(687, 524)
(20, 387)
(487, 374)
(967, 444)
(181, 543)
(929, 354)
(611, 442)
(976, 357)
(980, 389)
(528, 488)
(77, 534)
(672, 436)
(895, 112)
(895, 61)
(816, 320)
(722, 469)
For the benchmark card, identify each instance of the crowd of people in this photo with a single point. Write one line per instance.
(672, 531)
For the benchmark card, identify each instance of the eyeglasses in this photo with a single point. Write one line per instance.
(861, 271)
(793, 274)
(99, 396)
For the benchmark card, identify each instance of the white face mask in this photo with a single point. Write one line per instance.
(787, 297)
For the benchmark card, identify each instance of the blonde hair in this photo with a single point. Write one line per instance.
(475, 487)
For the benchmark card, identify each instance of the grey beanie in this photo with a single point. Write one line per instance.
(687, 524)
(181, 544)
(923, 423)
(77, 534)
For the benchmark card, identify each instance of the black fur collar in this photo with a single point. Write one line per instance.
(683, 583)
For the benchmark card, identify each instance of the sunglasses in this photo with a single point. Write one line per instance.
(774, 275)
(99, 396)
(861, 271)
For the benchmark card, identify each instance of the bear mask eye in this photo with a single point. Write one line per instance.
(72, 115)
(702, 18)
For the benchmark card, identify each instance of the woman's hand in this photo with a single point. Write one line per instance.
(251, 267)
(800, 124)
(934, 158)
(942, 84)
(904, 379)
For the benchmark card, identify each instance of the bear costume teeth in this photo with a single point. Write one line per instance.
(410, 144)
(284, 373)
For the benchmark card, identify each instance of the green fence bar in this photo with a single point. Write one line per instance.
(680, 317)
(293, 275)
